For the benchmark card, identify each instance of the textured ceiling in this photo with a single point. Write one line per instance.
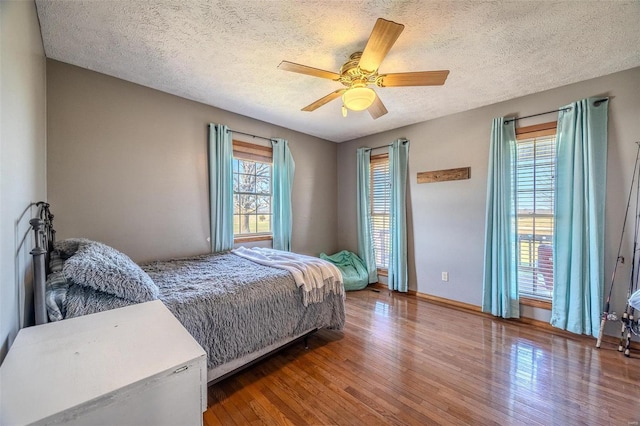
(226, 53)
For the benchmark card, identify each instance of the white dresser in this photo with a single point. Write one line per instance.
(130, 366)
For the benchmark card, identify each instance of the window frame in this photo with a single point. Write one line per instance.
(524, 133)
(246, 151)
(376, 159)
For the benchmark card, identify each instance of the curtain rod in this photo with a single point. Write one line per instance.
(404, 142)
(378, 147)
(248, 134)
(596, 103)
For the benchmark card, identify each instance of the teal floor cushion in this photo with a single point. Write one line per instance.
(354, 272)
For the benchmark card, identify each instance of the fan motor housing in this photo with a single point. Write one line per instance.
(350, 72)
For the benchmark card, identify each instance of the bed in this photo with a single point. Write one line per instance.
(240, 306)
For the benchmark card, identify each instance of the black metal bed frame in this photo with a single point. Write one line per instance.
(45, 237)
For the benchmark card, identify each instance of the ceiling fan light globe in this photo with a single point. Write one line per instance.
(358, 98)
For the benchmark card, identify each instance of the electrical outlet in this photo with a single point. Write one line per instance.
(445, 276)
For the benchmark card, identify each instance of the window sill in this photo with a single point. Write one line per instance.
(542, 304)
(252, 238)
(383, 272)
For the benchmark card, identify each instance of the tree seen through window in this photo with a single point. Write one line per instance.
(251, 197)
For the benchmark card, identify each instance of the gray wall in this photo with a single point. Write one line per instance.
(22, 159)
(127, 165)
(446, 220)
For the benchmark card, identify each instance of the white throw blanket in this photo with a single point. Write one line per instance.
(316, 276)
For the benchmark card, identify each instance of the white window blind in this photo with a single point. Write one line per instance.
(380, 208)
(535, 185)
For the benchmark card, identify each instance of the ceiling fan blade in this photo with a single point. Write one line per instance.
(421, 78)
(317, 104)
(377, 108)
(384, 35)
(303, 69)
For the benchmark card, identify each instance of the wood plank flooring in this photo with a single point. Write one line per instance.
(403, 360)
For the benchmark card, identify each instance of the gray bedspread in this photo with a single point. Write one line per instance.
(230, 305)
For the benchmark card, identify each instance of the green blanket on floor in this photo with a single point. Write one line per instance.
(354, 271)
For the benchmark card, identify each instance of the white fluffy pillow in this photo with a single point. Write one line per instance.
(104, 268)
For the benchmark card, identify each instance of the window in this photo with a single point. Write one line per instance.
(535, 173)
(251, 191)
(380, 198)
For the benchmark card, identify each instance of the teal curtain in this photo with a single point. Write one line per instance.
(363, 209)
(579, 216)
(220, 187)
(500, 280)
(398, 159)
(283, 171)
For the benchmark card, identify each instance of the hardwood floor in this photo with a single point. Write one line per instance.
(403, 360)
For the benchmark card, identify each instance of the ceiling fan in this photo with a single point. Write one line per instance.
(361, 70)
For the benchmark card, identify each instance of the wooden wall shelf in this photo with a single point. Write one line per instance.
(444, 175)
